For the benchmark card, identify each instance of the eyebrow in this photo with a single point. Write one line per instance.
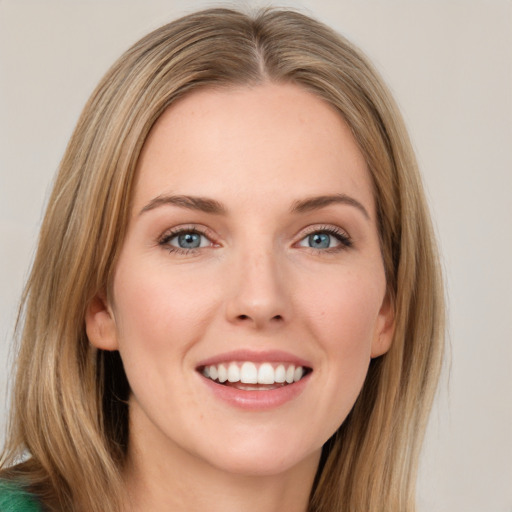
(202, 204)
(206, 205)
(318, 202)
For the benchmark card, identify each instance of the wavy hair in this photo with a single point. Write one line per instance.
(69, 409)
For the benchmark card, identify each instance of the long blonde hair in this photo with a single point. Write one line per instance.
(69, 405)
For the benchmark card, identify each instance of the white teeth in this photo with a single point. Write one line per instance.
(266, 374)
(222, 373)
(233, 373)
(249, 373)
(280, 374)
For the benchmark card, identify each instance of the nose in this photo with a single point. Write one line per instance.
(258, 293)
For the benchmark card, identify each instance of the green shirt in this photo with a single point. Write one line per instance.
(14, 499)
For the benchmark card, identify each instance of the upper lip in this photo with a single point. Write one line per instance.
(270, 356)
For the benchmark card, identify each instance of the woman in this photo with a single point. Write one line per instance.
(236, 300)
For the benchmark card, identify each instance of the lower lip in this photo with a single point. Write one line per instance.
(257, 400)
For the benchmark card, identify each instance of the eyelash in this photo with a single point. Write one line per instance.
(342, 237)
(169, 235)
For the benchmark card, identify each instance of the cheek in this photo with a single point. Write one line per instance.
(346, 308)
(159, 315)
(157, 310)
(342, 317)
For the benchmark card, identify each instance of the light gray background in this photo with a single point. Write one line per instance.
(449, 64)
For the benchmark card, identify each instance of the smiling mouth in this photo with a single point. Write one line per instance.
(249, 376)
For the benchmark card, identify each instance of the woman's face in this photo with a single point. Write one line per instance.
(252, 257)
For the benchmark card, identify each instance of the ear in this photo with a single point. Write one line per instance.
(384, 328)
(100, 324)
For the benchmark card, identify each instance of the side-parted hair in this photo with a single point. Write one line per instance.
(69, 407)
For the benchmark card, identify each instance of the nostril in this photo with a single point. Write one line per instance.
(247, 317)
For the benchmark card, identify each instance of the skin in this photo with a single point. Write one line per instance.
(254, 284)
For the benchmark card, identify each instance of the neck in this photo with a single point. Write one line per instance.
(194, 492)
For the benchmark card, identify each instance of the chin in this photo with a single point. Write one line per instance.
(263, 458)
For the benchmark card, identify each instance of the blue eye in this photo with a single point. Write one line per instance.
(326, 239)
(319, 240)
(185, 240)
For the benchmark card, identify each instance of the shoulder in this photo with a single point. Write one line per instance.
(14, 499)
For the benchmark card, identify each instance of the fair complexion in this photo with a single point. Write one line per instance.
(252, 245)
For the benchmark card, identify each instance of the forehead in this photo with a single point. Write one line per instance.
(277, 140)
